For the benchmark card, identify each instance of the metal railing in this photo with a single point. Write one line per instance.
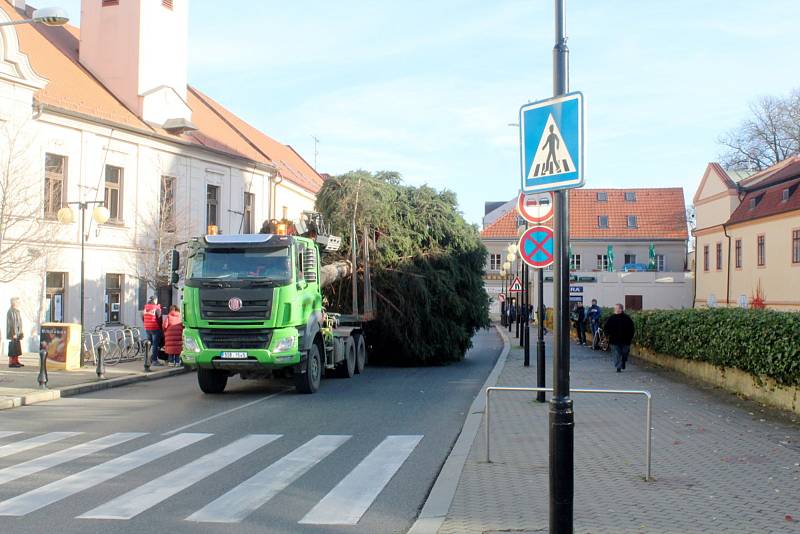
(648, 419)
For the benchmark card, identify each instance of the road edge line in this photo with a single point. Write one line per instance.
(437, 505)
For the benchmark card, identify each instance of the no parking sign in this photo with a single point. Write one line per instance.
(536, 247)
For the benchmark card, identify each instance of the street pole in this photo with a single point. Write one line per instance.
(540, 335)
(522, 321)
(82, 207)
(562, 417)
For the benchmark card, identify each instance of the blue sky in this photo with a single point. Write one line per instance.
(428, 88)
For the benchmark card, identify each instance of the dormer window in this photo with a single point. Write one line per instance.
(109, 3)
(785, 195)
(602, 196)
(755, 201)
(602, 221)
(167, 3)
(630, 196)
(632, 221)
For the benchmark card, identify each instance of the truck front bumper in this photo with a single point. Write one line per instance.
(195, 354)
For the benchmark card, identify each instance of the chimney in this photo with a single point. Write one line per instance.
(139, 50)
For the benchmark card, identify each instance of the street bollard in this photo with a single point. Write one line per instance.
(42, 379)
(101, 363)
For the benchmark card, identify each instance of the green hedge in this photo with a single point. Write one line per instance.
(761, 342)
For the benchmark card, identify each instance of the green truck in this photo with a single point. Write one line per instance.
(253, 306)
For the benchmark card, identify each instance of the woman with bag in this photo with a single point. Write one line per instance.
(14, 333)
(173, 336)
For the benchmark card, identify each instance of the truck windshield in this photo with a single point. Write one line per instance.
(240, 264)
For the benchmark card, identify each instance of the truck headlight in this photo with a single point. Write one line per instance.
(285, 344)
(189, 344)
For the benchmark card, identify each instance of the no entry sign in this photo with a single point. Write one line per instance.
(536, 208)
(536, 247)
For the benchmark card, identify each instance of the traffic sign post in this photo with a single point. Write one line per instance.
(552, 143)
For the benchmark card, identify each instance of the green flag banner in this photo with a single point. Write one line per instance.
(610, 258)
(652, 264)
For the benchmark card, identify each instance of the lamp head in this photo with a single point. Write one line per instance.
(100, 214)
(65, 215)
(51, 16)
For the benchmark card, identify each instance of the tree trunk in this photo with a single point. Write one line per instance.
(337, 270)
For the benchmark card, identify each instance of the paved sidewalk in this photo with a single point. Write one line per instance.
(719, 463)
(20, 387)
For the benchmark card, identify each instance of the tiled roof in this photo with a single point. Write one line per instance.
(53, 54)
(768, 196)
(660, 214)
(786, 169)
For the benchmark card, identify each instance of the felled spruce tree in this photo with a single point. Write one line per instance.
(426, 263)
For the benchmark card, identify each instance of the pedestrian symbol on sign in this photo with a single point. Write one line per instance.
(552, 156)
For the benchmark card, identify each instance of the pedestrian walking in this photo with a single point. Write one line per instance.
(151, 316)
(14, 333)
(620, 330)
(173, 336)
(580, 323)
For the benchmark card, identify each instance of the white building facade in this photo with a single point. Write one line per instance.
(167, 163)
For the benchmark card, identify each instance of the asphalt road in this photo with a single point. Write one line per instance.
(359, 456)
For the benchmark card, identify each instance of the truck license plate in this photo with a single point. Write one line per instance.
(234, 355)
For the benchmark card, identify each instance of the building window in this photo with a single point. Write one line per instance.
(55, 171)
(602, 221)
(761, 252)
(602, 196)
(249, 216)
(167, 204)
(108, 3)
(55, 297)
(167, 3)
(113, 196)
(632, 221)
(142, 294)
(719, 256)
(494, 262)
(113, 300)
(212, 205)
(630, 196)
(785, 195)
(795, 246)
(705, 257)
(602, 262)
(738, 253)
(630, 258)
(285, 213)
(661, 263)
(575, 262)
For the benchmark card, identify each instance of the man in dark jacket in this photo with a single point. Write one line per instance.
(14, 333)
(619, 329)
(580, 323)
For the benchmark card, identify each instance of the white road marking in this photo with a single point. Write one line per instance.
(7, 433)
(347, 502)
(226, 412)
(61, 457)
(253, 493)
(61, 489)
(160, 489)
(36, 441)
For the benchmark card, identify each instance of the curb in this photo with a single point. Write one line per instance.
(47, 395)
(437, 505)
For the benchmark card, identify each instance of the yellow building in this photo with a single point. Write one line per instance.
(747, 249)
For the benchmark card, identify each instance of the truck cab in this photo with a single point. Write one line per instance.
(252, 306)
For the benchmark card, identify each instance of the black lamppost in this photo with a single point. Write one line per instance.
(100, 215)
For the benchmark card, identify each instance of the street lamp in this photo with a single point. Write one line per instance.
(100, 215)
(49, 16)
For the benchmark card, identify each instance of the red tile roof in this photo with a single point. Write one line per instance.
(660, 214)
(768, 193)
(53, 54)
(788, 168)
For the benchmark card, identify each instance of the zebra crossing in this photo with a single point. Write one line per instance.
(345, 504)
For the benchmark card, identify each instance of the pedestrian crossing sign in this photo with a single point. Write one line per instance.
(516, 286)
(551, 143)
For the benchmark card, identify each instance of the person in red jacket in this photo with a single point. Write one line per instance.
(151, 316)
(173, 335)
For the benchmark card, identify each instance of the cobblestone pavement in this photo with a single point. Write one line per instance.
(720, 464)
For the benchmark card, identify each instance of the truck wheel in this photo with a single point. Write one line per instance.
(347, 368)
(308, 382)
(361, 353)
(211, 381)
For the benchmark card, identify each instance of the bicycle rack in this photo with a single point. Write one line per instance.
(648, 418)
